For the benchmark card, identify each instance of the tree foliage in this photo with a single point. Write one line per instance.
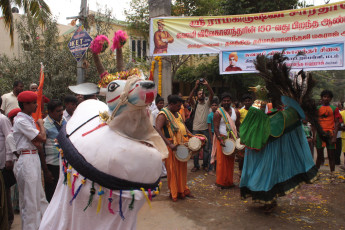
(196, 7)
(48, 47)
(234, 7)
(40, 46)
(137, 17)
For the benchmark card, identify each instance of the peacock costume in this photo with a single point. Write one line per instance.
(277, 158)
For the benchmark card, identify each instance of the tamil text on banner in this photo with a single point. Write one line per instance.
(328, 56)
(211, 34)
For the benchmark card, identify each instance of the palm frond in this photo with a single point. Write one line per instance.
(5, 5)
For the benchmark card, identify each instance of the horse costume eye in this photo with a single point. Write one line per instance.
(112, 86)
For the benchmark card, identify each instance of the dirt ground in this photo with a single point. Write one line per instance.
(313, 206)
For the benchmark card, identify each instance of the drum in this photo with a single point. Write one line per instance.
(229, 147)
(194, 144)
(239, 146)
(182, 153)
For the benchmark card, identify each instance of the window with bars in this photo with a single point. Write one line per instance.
(139, 48)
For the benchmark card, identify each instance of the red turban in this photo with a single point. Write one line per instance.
(27, 96)
(13, 112)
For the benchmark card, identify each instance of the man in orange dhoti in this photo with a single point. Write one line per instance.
(170, 126)
(225, 120)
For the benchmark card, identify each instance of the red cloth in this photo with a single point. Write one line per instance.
(232, 68)
(27, 96)
(177, 176)
(13, 112)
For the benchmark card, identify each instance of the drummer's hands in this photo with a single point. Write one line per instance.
(172, 146)
(222, 142)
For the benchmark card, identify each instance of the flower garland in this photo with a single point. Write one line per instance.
(159, 59)
(123, 75)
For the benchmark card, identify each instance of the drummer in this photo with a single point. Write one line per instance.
(170, 126)
(226, 121)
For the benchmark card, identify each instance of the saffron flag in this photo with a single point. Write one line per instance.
(38, 114)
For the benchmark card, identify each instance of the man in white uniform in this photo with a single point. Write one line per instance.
(27, 169)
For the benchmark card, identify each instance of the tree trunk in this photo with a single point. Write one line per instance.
(119, 60)
(98, 63)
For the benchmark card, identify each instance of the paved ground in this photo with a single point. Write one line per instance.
(315, 206)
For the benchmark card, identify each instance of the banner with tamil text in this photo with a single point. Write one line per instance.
(313, 57)
(212, 34)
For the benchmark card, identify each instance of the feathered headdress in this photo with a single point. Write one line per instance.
(279, 81)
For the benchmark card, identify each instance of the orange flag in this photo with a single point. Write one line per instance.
(38, 114)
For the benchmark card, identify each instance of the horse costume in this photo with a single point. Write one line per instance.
(111, 160)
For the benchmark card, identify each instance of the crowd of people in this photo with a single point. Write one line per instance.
(27, 147)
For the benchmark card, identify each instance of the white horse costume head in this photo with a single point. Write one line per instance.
(111, 160)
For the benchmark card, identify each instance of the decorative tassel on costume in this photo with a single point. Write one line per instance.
(92, 193)
(110, 201)
(75, 175)
(147, 198)
(64, 168)
(160, 186)
(120, 206)
(100, 194)
(69, 171)
(78, 190)
(131, 205)
(150, 194)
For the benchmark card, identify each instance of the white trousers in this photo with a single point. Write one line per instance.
(32, 199)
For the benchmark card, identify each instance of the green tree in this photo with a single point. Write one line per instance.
(197, 7)
(137, 17)
(37, 8)
(234, 7)
(40, 46)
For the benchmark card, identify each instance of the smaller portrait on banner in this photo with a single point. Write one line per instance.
(233, 59)
(161, 39)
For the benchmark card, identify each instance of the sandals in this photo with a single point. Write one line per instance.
(194, 169)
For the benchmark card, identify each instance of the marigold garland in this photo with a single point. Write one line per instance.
(159, 59)
(123, 75)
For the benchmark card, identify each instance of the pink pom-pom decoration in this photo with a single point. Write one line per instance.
(119, 40)
(99, 44)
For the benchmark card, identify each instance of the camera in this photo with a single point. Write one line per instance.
(201, 81)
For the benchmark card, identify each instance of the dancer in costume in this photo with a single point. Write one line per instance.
(277, 158)
(170, 126)
(110, 156)
(225, 120)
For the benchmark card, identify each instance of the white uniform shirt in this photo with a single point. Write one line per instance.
(10, 147)
(24, 131)
(5, 129)
(9, 102)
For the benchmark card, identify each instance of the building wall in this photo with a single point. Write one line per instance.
(5, 40)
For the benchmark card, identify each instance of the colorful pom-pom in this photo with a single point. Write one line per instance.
(99, 44)
(119, 40)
